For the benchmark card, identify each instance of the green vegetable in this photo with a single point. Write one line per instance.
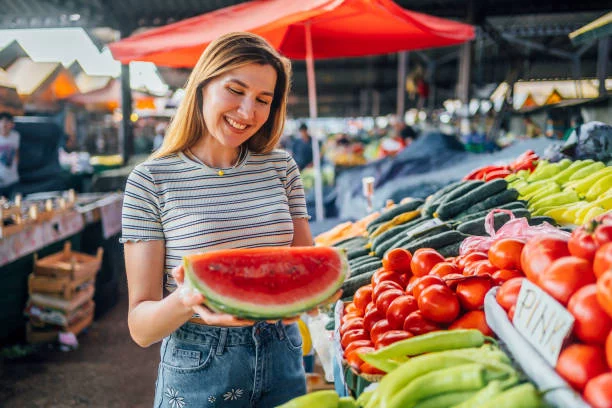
(417, 235)
(347, 402)
(445, 400)
(350, 286)
(351, 242)
(448, 209)
(366, 267)
(394, 232)
(521, 396)
(496, 200)
(393, 212)
(434, 200)
(357, 253)
(322, 399)
(477, 226)
(436, 241)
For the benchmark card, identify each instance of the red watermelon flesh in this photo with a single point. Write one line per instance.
(267, 283)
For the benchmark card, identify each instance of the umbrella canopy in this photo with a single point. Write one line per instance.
(602, 27)
(340, 28)
(304, 29)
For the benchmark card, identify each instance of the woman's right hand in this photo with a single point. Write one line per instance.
(195, 300)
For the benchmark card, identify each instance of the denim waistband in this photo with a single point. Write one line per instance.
(193, 332)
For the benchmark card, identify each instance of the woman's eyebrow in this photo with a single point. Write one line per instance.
(242, 84)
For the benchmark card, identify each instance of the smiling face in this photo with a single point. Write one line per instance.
(237, 104)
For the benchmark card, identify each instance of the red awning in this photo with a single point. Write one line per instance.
(340, 28)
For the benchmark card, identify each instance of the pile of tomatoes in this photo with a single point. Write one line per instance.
(413, 294)
(578, 274)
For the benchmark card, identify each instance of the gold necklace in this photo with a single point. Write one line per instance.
(220, 172)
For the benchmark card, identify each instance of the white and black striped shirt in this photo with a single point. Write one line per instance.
(187, 204)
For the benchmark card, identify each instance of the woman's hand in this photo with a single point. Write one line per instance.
(195, 300)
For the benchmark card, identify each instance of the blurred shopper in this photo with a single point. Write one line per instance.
(216, 182)
(9, 155)
(302, 148)
(532, 129)
(160, 131)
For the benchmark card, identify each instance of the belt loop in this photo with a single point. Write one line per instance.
(222, 339)
(280, 329)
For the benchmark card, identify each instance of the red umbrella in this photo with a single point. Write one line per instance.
(304, 29)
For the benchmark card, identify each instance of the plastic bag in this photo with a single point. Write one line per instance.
(517, 228)
(321, 342)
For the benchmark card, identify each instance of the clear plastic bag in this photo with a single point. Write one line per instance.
(517, 228)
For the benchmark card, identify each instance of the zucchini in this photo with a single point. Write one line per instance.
(350, 286)
(362, 261)
(450, 250)
(449, 209)
(393, 212)
(542, 218)
(398, 220)
(477, 226)
(393, 232)
(433, 201)
(351, 242)
(500, 200)
(357, 253)
(514, 205)
(437, 241)
(420, 234)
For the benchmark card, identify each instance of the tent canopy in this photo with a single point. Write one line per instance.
(340, 28)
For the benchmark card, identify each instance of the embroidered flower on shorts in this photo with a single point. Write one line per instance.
(173, 398)
(212, 399)
(233, 395)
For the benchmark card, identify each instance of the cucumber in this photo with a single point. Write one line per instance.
(450, 250)
(513, 205)
(502, 198)
(434, 230)
(542, 218)
(393, 212)
(437, 241)
(368, 267)
(363, 261)
(394, 231)
(357, 253)
(351, 242)
(433, 201)
(350, 286)
(448, 209)
(382, 247)
(477, 226)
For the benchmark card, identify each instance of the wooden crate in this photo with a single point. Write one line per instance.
(62, 287)
(68, 264)
(36, 335)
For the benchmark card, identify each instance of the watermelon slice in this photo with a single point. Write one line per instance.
(267, 283)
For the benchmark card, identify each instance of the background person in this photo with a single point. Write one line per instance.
(216, 182)
(302, 148)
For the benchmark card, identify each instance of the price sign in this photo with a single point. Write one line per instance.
(543, 321)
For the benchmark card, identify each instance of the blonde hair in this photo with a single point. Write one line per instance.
(228, 52)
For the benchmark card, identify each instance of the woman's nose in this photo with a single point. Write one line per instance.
(247, 109)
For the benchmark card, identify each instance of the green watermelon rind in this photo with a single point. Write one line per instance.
(246, 311)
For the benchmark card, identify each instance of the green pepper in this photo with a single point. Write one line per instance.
(322, 399)
(464, 377)
(433, 341)
(445, 400)
(364, 398)
(521, 396)
(491, 390)
(564, 176)
(546, 170)
(564, 197)
(586, 171)
(347, 402)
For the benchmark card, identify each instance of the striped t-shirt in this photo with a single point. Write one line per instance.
(187, 204)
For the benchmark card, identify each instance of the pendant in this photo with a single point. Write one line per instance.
(220, 172)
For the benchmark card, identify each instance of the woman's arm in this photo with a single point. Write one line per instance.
(151, 318)
(301, 232)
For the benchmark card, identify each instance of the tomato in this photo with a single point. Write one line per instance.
(352, 335)
(399, 309)
(508, 293)
(356, 344)
(471, 292)
(453, 279)
(539, 252)
(349, 316)
(353, 358)
(592, 324)
(471, 257)
(383, 275)
(444, 268)
(392, 336)
(565, 276)
(416, 324)
(362, 297)
(598, 391)
(582, 243)
(439, 304)
(482, 267)
(423, 260)
(504, 275)
(603, 259)
(350, 308)
(372, 316)
(366, 368)
(352, 324)
(603, 234)
(380, 327)
(505, 253)
(385, 299)
(398, 260)
(511, 312)
(383, 287)
(474, 319)
(578, 363)
(423, 282)
(609, 350)
(604, 292)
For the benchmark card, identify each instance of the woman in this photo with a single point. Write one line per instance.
(216, 182)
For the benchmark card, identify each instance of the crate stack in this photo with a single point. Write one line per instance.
(61, 289)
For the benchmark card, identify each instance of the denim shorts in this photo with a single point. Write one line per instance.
(207, 366)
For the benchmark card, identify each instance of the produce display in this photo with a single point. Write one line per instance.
(570, 192)
(414, 320)
(267, 283)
